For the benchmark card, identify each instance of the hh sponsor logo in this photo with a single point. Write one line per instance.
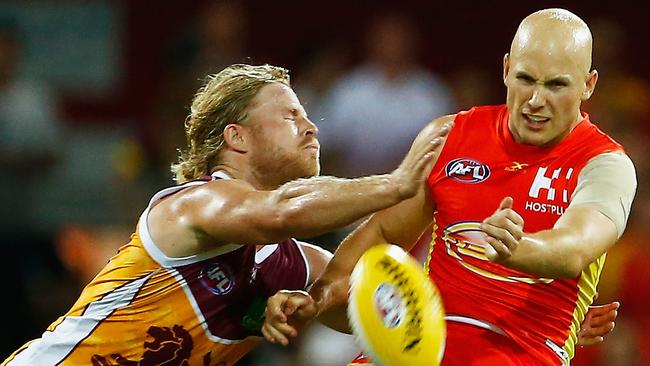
(549, 186)
(217, 278)
(467, 170)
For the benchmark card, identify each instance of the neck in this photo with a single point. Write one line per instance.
(245, 174)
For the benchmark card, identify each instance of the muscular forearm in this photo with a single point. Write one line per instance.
(330, 291)
(331, 302)
(317, 205)
(565, 251)
(548, 254)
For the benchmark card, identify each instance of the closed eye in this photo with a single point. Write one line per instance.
(557, 83)
(525, 78)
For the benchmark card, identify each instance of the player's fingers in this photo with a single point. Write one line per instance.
(600, 319)
(509, 220)
(296, 302)
(275, 306)
(601, 330)
(516, 218)
(608, 307)
(284, 328)
(589, 341)
(502, 251)
(516, 231)
(503, 235)
(266, 335)
(602, 313)
(506, 202)
(435, 136)
(604, 308)
(273, 335)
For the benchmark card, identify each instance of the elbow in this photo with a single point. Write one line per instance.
(283, 222)
(571, 268)
(573, 271)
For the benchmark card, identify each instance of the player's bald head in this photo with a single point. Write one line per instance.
(554, 31)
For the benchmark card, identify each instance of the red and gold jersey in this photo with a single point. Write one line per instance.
(479, 165)
(145, 308)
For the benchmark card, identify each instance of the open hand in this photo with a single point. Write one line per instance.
(598, 322)
(415, 167)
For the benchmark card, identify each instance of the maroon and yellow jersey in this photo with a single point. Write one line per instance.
(145, 308)
(479, 165)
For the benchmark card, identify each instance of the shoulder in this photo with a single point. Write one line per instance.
(608, 183)
(611, 166)
(215, 189)
(199, 201)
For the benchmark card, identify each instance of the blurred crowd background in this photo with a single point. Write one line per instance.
(93, 95)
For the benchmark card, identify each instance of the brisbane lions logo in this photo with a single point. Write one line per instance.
(170, 347)
(467, 170)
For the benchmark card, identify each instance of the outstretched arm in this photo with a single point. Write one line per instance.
(232, 211)
(592, 223)
(401, 224)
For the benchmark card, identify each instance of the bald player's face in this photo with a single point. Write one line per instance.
(546, 86)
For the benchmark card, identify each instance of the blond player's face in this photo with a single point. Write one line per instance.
(284, 139)
(545, 90)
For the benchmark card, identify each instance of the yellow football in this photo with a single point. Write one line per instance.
(395, 311)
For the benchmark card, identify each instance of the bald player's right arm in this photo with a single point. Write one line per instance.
(401, 224)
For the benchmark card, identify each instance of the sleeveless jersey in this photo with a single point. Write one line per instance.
(145, 308)
(479, 165)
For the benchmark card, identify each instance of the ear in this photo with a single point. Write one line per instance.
(235, 137)
(506, 66)
(590, 85)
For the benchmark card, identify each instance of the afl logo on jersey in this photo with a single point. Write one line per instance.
(217, 278)
(467, 170)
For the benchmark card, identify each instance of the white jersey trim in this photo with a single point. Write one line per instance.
(304, 257)
(475, 322)
(55, 346)
(197, 311)
(153, 249)
(266, 251)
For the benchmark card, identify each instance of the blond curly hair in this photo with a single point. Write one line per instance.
(223, 99)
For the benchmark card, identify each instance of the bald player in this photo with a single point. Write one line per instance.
(526, 199)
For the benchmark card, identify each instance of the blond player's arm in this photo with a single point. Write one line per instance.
(233, 211)
(593, 222)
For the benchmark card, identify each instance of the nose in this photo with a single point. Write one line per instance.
(310, 128)
(538, 98)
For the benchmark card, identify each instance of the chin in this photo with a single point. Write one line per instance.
(313, 171)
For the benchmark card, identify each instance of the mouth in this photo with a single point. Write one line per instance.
(535, 122)
(313, 149)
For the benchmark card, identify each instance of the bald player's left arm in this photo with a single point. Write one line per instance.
(593, 222)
